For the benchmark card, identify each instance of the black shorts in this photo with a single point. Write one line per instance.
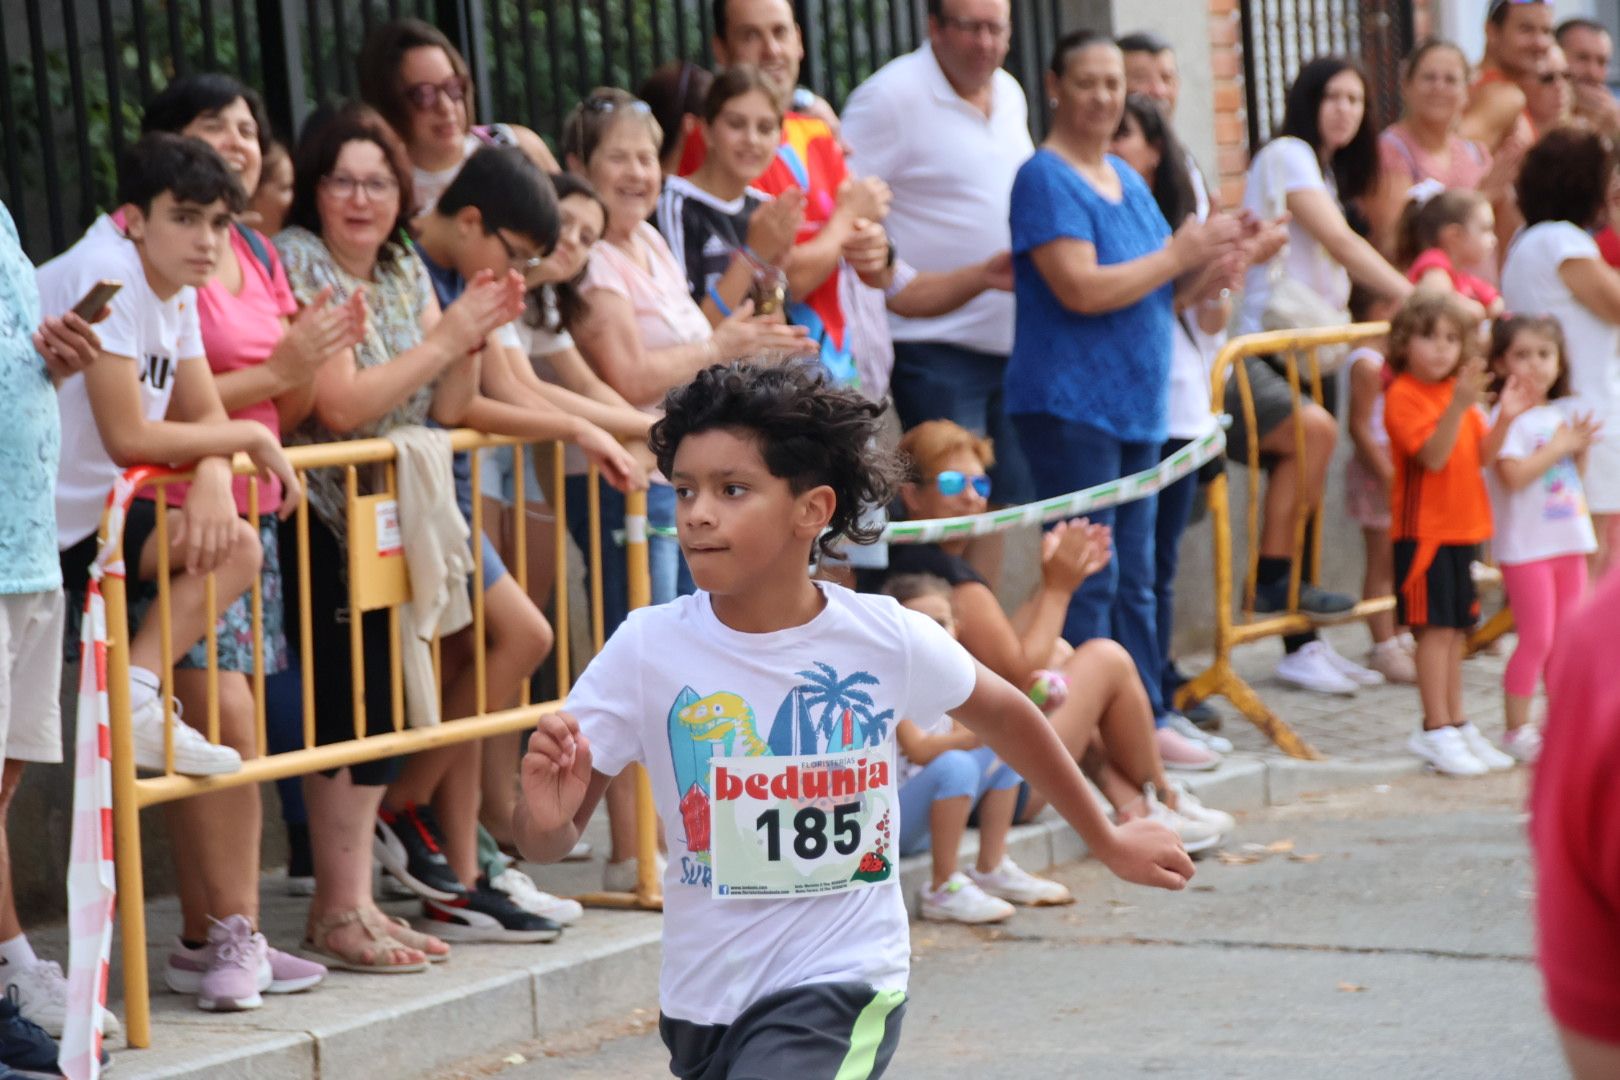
(1440, 594)
(139, 525)
(813, 1032)
(329, 634)
(1273, 402)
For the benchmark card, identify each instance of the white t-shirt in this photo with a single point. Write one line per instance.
(428, 184)
(157, 334)
(1375, 419)
(864, 654)
(1283, 166)
(951, 169)
(1548, 516)
(1530, 283)
(904, 767)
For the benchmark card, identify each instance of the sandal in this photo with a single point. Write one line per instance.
(401, 931)
(363, 959)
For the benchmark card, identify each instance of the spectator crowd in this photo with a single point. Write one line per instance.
(1038, 319)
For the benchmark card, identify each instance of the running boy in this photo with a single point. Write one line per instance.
(763, 707)
(150, 398)
(1439, 444)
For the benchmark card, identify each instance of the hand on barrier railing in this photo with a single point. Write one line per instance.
(619, 467)
(1072, 551)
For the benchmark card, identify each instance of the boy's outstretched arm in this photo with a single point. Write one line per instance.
(1009, 723)
(560, 790)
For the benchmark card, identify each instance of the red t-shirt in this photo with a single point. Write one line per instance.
(1608, 242)
(1466, 284)
(1575, 823)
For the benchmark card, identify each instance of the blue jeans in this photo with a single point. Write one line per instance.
(670, 577)
(284, 731)
(1175, 510)
(1118, 600)
(934, 380)
(950, 776)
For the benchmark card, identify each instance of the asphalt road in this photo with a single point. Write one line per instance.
(1370, 934)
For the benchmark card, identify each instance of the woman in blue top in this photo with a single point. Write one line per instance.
(1096, 270)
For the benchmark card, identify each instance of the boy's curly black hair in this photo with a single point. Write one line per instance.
(809, 431)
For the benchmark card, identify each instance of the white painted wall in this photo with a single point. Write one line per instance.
(1185, 24)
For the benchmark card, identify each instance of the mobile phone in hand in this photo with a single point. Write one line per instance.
(96, 298)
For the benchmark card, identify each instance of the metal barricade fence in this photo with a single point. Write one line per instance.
(376, 581)
(1297, 350)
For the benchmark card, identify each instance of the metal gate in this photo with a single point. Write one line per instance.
(74, 73)
(1280, 36)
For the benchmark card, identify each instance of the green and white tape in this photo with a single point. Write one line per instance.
(1183, 462)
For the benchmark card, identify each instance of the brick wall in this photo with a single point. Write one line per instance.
(1231, 118)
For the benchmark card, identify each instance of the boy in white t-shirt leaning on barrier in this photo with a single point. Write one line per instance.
(150, 399)
(764, 708)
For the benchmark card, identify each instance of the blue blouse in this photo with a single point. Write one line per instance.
(1108, 371)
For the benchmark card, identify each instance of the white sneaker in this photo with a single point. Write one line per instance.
(1195, 835)
(42, 995)
(960, 900)
(1013, 883)
(1312, 668)
(1361, 676)
(531, 898)
(621, 876)
(1523, 743)
(1189, 730)
(1481, 747)
(1447, 752)
(1189, 807)
(194, 755)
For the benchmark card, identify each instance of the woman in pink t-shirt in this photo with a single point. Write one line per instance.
(264, 355)
(1424, 144)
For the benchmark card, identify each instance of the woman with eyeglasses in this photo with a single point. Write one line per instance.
(1107, 705)
(345, 235)
(421, 84)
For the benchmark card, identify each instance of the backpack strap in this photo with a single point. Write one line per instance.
(256, 245)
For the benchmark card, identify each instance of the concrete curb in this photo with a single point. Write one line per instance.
(603, 969)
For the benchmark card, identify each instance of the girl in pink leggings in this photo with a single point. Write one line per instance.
(1543, 530)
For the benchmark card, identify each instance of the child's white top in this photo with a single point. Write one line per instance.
(666, 676)
(157, 334)
(1548, 516)
(904, 767)
(1364, 354)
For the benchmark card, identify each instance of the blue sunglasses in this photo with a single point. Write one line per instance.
(952, 482)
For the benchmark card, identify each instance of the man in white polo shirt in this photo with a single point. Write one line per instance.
(948, 129)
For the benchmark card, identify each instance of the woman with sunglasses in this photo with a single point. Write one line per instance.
(414, 76)
(1107, 703)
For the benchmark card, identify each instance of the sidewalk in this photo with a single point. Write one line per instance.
(607, 966)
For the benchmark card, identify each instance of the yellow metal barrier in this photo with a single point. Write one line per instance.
(374, 582)
(1232, 628)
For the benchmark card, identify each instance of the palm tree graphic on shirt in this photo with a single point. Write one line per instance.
(843, 716)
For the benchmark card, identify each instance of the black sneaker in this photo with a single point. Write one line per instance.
(24, 1046)
(487, 914)
(1312, 600)
(410, 847)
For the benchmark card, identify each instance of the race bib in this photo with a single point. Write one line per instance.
(783, 827)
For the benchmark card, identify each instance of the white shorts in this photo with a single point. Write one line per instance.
(31, 676)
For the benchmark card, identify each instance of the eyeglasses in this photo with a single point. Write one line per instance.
(975, 27)
(424, 95)
(376, 188)
(515, 259)
(952, 482)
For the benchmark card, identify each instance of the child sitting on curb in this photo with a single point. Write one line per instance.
(945, 774)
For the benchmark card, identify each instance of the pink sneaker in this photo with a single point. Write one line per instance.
(1179, 752)
(237, 958)
(291, 974)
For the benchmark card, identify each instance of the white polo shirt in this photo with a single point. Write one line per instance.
(952, 170)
